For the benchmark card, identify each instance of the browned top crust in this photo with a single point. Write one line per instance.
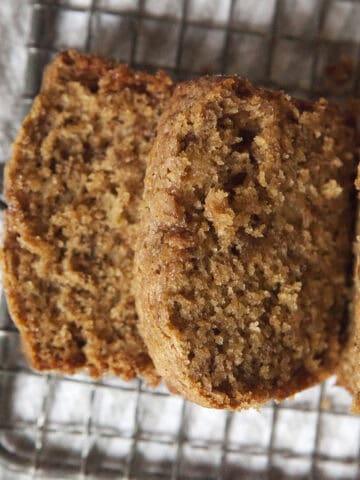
(73, 187)
(243, 265)
(349, 369)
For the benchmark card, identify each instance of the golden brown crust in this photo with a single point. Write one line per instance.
(73, 187)
(349, 369)
(242, 267)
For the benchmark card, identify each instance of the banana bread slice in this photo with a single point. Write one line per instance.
(243, 266)
(73, 187)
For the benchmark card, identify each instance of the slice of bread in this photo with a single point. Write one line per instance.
(73, 187)
(243, 266)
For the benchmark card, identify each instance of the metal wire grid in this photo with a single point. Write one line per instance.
(23, 442)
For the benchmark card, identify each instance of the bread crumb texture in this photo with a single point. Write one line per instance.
(244, 260)
(73, 187)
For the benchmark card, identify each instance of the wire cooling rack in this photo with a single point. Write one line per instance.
(72, 427)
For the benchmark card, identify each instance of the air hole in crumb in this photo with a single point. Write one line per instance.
(73, 120)
(191, 356)
(235, 251)
(93, 86)
(255, 219)
(89, 202)
(77, 335)
(253, 159)
(105, 143)
(236, 180)
(247, 137)
(113, 189)
(319, 358)
(216, 331)
(225, 386)
(81, 261)
(88, 152)
(224, 122)
(176, 318)
(53, 165)
(188, 295)
(187, 140)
